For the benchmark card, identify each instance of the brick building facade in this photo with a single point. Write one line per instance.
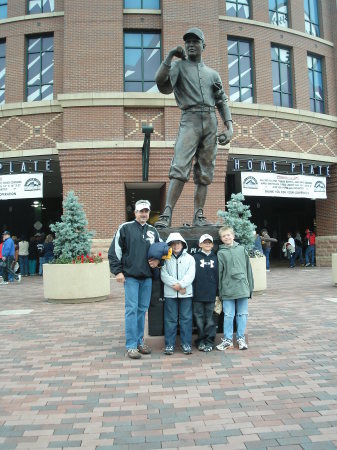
(91, 128)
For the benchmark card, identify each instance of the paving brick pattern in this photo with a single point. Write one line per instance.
(65, 381)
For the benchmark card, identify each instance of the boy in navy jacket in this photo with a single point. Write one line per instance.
(205, 287)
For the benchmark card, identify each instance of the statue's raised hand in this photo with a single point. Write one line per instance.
(179, 52)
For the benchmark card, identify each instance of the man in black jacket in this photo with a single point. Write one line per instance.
(129, 262)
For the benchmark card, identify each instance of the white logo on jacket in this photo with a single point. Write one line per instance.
(150, 236)
(203, 263)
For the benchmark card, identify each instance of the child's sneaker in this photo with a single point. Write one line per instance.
(201, 347)
(242, 344)
(208, 348)
(169, 349)
(187, 350)
(144, 349)
(225, 343)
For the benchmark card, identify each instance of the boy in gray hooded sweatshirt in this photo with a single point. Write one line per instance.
(236, 285)
(178, 274)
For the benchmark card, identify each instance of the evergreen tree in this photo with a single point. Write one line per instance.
(238, 217)
(72, 238)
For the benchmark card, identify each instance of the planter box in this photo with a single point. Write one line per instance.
(259, 273)
(76, 283)
(334, 267)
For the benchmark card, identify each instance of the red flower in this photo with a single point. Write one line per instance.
(100, 254)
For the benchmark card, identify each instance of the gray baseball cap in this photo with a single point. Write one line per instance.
(197, 32)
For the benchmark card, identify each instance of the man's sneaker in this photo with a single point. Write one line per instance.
(224, 344)
(187, 350)
(169, 349)
(144, 349)
(133, 353)
(4, 282)
(307, 265)
(208, 348)
(242, 344)
(201, 347)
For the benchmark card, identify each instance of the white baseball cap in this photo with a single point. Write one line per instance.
(204, 237)
(142, 204)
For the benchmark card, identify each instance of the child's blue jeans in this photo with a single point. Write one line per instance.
(178, 310)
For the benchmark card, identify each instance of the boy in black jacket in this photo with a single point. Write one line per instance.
(205, 287)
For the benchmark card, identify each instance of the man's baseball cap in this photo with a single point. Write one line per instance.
(142, 204)
(197, 32)
(204, 237)
(6, 232)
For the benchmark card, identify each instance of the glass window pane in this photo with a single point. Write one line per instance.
(34, 67)
(48, 44)
(151, 40)
(284, 55)
(47, 92)
(151, 4)
(34, 45)
(133, 64)
(2, 50)
(47, 68)
(133, 86)
(320, 107)
(48, 6)
(244, 48)
(230, 9)
(272, 4)
(234, 94)
(277, 99)
(274, 54)
(133, 40)
(2, 96)
(33, 94)
(151, 63)
(286, 100)
(150, 87)
(232, 47)
(276, 76)
(34, 7)
(284, 78)
(132, 4)
(247, 95)
(233, 69)
(3, 11)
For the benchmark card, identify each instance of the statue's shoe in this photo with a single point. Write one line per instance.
(201, 221)
(164, 221)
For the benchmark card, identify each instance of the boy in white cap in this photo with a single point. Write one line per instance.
(178, 274)
(205, 286)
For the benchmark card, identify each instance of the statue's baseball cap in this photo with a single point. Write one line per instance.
(197, 32)
(142, 204)
(204, 237)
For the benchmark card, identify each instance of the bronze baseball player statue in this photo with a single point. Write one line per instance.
(198, 90)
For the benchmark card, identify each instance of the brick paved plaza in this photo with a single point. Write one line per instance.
(66, 383)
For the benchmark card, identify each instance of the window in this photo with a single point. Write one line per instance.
(3, 9)
(281, 68)
(141, 59)
(240, 71)
(40, 68)
(315, 83)
(278, 12)
(2, 71)
(311, 17)
(238, 8)
(142, 4)
(40, 6)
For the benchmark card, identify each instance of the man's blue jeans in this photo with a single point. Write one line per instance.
(137, 301)
(241, 317)
(266, 252)
(178, 309)
(310, 254)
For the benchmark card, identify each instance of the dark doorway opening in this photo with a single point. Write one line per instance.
(154, 192)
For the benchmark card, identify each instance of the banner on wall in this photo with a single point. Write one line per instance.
(28, 185)
(262, 184)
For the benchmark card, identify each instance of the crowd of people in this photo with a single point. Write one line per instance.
(191, 285)
(22, 258)
(294, 248)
